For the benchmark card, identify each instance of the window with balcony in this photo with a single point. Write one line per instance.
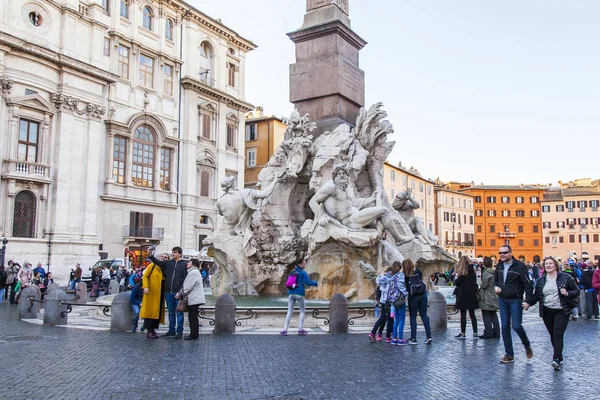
(583, 221)
(505, 199)
(124, 9)
(119, 159)
(491, 199)
(251, 158)
(165, 169)
(251, 134)
(124, 62)
(28, 141)
(146, 71)
(147, 18)
(169, 30)
(560, 208)
(24, 215)
(140, 224)
(143, 157)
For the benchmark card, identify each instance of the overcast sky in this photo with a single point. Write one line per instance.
(499, 92)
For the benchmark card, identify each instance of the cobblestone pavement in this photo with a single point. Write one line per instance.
(41, 362)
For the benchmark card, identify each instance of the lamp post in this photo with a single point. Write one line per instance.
(581, 228)
(3, 250)
(453, 218)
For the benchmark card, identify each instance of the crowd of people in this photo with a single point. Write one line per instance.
(14, 278)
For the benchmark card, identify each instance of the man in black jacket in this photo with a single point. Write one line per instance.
(174, 271)
(512, 281)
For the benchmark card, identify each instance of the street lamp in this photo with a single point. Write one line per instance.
(453, 218)
(3, 250)
(581, 228)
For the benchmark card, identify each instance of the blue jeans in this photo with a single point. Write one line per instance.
(511, 311)
(74, 282)
(418, 303)
(399, 317)
(171, 306)
(136, 317)
(2, 294)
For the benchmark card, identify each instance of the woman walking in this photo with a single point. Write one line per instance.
(153, 304)
(193, 289)
(398, 296)
(466, 296)
(557, 294)
(489, 302)
(296, 294)
(417, 300)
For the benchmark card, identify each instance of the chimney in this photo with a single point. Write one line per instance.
(259, 112)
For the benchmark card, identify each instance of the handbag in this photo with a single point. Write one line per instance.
(182, 304)
(400, 301)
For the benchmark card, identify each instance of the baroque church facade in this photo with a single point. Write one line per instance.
(118, 119)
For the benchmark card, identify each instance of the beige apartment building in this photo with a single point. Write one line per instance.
(455, 221)
(571, 222)
(397, 179)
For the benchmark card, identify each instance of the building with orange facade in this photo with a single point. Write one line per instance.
(263, 135)
(508, 214)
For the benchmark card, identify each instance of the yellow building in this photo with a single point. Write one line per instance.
(397, 179)
(263, 135)
(455, 221)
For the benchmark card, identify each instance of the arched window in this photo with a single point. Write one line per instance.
(24, 216)
(169, 30)
(142, 173)
(147, 18)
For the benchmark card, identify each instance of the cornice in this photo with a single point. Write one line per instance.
(75, 106)
(199, 87)
(59, 59)
(326, 29)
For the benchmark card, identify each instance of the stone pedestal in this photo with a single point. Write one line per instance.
(26, 311)
(81, 294)
(54, 312)
(225, 314)
(113, 287)
(121, 313)
(338, 314)
(326, 81)
(438, 311)
(37, 306)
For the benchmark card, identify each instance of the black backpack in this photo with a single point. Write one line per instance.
(416, 286)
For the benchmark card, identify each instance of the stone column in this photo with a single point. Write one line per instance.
(225, 314)
(438, 311)
(338, 314)
(121, 313)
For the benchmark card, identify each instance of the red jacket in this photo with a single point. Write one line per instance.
(596, 280)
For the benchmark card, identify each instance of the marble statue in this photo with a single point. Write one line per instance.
(405, 204)
(298, 143)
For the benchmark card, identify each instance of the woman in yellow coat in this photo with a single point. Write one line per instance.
(153, 309)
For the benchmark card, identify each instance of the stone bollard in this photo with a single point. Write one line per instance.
(51, 287)
(338, 314)
(438, 312)
(225, 314)
(54, 312)
(121, 313)
(26, 311)
(39, 294)
(81, 294)
(113, 287)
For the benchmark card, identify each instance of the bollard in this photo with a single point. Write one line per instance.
(121, 313)
(113, 287)
(225, 314)
(26, 310)
(338, 314)
(81, 294)
(54, 312)
(438, 312)
(51, 287)
(37, 305)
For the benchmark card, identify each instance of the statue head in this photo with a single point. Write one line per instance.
(228, 183)
(341, 175)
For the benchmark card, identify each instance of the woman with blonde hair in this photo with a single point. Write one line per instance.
(417, 300)
(466, 295)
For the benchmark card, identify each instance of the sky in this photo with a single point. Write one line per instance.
(494, 92)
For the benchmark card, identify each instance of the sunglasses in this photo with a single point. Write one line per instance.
(503, 252)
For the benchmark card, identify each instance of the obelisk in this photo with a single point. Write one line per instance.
(326, 81)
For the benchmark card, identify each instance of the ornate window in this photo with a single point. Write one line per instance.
(206, 171)
(168, 79)
(119, 157)
(123, 62)
(165, 168)
(232, 70)
(24, 214)
(232, 126)
(147, 18)
(124, 9)
(146, 71)
(169, 30)
(143, 157)
(28, 140)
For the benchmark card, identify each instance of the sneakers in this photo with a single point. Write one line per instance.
(302, 332)
(388, 340)
(412, 341)
(283, 333)
(372, 337)
(507, 359)
(461, 336)
(168, 334)
(529, 352)
(379, 337)
(394, 342)
(178, 335)
(428, 340)
(403, 342)
(556, 364)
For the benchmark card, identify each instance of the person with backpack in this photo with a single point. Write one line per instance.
(417, 301)
(591, 301)
(296, 284)
(466, 296)
(397, 296)
(383, 282)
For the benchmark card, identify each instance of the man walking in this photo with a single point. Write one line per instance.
(174, 271)
(512, 281)
(76, 276)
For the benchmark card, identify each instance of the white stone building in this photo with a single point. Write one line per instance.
(97, 153)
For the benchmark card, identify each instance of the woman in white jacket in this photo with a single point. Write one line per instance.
(194, 291)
